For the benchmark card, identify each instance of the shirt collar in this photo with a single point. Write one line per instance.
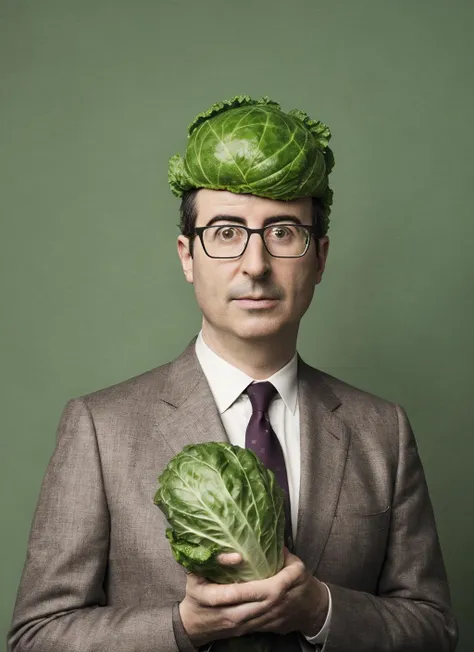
(228, 382)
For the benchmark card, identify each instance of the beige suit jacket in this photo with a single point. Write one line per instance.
(100, 576)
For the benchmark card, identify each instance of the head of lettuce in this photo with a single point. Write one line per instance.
(252, 147)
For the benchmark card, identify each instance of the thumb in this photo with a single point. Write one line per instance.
(229, 558)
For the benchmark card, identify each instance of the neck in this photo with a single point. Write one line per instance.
(259, 358)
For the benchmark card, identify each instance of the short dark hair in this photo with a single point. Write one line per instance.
(188, 217)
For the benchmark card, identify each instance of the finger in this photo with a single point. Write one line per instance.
(288, 557)
(229, 558)
(193, 580)
(293, 568)
(263, 621)
(247, 613)
(225, 595)
(272, 587)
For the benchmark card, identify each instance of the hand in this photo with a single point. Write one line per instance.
(291, 600)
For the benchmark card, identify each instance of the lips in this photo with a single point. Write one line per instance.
(252, 302)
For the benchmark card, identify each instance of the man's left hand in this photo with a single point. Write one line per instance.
(296, 600)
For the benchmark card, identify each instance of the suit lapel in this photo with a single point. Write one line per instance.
(187, 413)
(324, 444)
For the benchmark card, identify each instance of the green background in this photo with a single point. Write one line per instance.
(95, 97)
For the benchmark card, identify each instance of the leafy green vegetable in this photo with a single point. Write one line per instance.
(252, 146)
(221, 498)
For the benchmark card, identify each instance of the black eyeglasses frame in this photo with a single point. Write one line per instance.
(199, 231)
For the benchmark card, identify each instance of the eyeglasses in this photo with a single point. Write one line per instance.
(280, 240)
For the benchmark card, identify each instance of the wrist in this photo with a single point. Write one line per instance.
(195, 636)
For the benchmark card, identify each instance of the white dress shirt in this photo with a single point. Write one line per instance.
(227, 384)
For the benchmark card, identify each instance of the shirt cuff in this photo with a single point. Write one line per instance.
(321, 636)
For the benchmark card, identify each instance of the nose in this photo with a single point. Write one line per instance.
(255, 261)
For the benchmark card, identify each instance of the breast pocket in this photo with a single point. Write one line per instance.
(367, 511)
(356, 548)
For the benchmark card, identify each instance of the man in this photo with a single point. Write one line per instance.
(365, 572)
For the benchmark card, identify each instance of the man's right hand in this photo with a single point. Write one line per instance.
(207, 611)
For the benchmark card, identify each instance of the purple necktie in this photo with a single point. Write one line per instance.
(262, 440)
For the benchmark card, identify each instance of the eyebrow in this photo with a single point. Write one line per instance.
(240, 220)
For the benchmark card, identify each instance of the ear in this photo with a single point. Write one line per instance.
(322, 258)
(185, 257)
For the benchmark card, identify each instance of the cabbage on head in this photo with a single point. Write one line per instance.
(253, 147)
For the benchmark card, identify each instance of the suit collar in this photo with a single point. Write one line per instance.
(228, 382)
(187, 412)
(313, 381)
(183, 376)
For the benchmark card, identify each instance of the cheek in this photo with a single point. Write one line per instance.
(299, 283)
(210, 286)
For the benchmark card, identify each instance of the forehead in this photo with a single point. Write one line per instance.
(210, 203)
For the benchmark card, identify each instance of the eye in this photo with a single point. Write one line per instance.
(227, 233)
(281, 232)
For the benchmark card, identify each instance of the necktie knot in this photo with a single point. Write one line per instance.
(260, 395)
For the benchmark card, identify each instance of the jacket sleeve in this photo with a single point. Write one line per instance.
(411, 611)
(61, 604)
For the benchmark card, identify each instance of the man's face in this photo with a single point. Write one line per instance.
(255, 296)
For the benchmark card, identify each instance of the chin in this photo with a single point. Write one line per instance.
(258, 329)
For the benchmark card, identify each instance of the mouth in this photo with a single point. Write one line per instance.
(259, 303)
